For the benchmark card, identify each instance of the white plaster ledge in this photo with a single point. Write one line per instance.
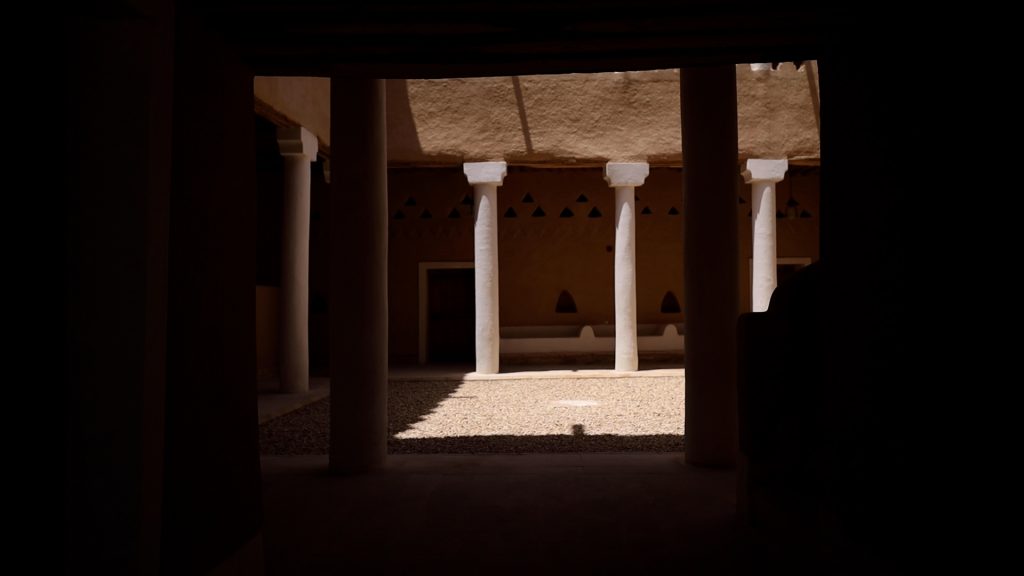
(621, 174)
(765, 170)
(297, 141)
(485, 172)
(587, 339)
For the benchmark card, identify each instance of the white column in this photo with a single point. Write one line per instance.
(625, 177)
(485, 177)
(299, 148)
(762, 175)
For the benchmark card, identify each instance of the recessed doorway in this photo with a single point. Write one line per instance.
(447, 313)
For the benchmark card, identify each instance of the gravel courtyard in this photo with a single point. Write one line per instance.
(517, 415)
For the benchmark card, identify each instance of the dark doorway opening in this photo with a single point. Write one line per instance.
(451, 315)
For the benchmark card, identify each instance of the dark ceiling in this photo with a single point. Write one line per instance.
(458, 38)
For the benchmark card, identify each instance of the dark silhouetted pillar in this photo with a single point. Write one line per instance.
(117, 160)
(359, 275)
(212, 483)
(880, 358)
(710, 264)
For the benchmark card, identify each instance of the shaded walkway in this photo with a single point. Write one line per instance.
(501, 514)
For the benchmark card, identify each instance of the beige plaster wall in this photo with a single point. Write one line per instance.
(414, 239)
(564, 120)
(541, 256)
(561, 124)
(777, 113)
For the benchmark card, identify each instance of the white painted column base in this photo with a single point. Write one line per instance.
(625, 177)
(485, 177)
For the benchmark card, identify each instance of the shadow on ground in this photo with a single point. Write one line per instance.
(501, 514)
(552, 443)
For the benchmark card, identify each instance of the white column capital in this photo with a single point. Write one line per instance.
(620, 174)
(765, 170)
(297, 141)
(485, 172)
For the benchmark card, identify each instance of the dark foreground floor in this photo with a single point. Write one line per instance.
(501, 514)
